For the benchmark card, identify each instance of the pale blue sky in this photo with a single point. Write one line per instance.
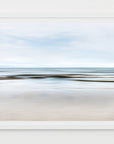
(57, 44)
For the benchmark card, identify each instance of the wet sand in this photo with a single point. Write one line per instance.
(57, 105)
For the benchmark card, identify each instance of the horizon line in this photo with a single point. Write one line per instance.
(64, 67)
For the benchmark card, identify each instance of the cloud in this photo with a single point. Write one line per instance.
(56, 44)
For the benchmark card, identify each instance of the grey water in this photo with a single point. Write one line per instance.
(84, 77)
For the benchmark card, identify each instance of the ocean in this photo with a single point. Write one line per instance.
(61, 77)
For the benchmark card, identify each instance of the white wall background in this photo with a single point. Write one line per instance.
(57, 137)
(99, 8)
(61, 8)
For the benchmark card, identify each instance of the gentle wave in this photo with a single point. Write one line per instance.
(94, 80)
(73, 77)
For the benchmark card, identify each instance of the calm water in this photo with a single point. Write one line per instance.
(53, 78)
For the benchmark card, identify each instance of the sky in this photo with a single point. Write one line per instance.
(57, 44)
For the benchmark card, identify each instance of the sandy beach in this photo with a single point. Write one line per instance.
(78, 105)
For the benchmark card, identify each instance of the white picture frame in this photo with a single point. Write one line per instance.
(55, 124)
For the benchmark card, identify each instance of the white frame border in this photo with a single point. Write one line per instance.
(57, 125)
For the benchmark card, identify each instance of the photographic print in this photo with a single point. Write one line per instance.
(56, 71)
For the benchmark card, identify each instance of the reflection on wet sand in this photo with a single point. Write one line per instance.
(70, 105)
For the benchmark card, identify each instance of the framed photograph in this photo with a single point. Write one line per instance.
(56, 73)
